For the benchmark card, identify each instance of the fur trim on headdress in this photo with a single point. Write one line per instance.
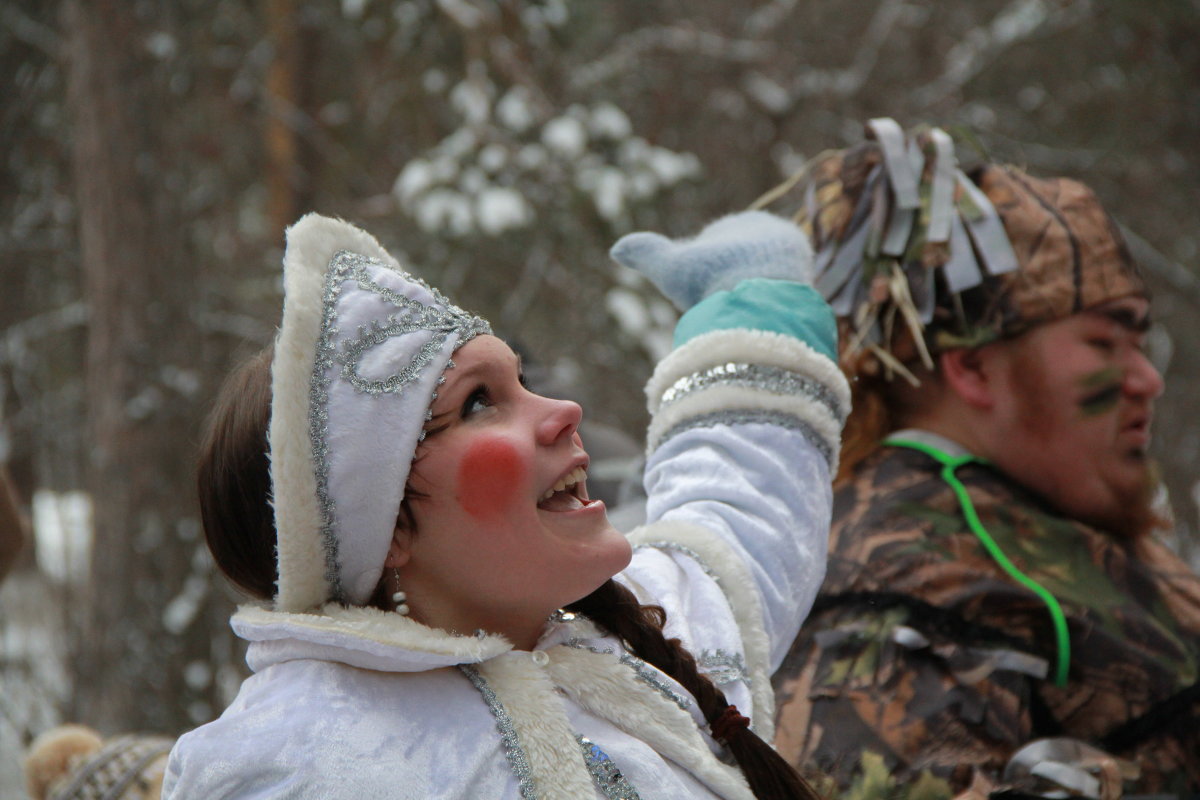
(360, 352)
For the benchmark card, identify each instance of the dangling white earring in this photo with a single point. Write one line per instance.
(399, 597)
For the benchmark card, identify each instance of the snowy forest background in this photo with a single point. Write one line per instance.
(155, 150)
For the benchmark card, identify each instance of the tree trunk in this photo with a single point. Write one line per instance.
(282, 103)
(130, 666)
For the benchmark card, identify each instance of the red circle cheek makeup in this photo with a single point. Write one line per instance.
(489, 477)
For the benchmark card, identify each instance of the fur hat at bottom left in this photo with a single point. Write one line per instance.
(73, 762)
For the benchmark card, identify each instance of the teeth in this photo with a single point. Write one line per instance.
(570, 479)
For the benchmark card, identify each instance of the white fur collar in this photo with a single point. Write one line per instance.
(361, 637)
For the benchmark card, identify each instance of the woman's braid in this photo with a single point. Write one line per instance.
(640, 627)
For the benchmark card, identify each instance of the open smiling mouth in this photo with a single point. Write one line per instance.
(568, 494)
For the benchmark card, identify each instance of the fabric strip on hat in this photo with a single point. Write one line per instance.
(987, 231)
(941, 194)
(898, 230)
(891, 139)
(810, 201)
(921, 287)
(846, 264)
(824, 259)
(850, 253)
(877, 218)
(962, 271)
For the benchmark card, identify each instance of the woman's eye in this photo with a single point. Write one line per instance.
(476, 401)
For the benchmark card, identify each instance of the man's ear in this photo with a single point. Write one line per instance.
(968, 373)
(400, 550)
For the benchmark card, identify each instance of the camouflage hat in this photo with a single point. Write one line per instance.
(916, 256)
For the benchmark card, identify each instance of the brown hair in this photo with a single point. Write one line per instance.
(641, 628)
(881, 401)
(233, 477)
(234, 483)
(870, 420)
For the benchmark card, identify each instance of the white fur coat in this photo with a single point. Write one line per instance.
(358, 703)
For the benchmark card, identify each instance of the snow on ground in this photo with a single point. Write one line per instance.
(33, 677)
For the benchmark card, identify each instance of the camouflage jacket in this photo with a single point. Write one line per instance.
(924, 666)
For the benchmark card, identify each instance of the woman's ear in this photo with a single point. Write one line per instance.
(968, 372)
(400, 550)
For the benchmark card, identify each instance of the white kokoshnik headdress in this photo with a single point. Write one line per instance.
(358, 359)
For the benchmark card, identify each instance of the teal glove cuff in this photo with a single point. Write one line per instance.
(761, 304)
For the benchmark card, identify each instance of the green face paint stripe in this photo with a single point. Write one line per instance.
(1100, 377)
(949, 465)
(1099, 402)
(1102, 390)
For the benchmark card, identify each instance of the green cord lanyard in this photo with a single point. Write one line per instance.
(949, 465)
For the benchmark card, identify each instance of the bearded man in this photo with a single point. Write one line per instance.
(998, 615)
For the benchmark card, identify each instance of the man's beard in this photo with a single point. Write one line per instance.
(1134, 514)
(1130, 512)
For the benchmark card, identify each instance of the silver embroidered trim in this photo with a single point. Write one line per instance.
(517, 760)
(649, 676)
(442, 319)
(318, 427)
(413, 316)
(641, 670)
(780, 419)
(605, 774)
(775, 380)
(723, 667)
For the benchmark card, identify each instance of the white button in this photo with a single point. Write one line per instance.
(540, 658)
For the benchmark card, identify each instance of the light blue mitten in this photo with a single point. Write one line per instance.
(756, 342)
(750, 244)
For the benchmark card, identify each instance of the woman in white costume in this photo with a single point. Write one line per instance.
(443, 612)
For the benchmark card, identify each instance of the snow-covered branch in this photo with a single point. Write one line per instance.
(29, 31)
(14, 342)
(1019, 21)
(631, 49)
(847, 81)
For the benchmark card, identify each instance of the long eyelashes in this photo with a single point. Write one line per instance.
(480, 396)
(436, 424)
